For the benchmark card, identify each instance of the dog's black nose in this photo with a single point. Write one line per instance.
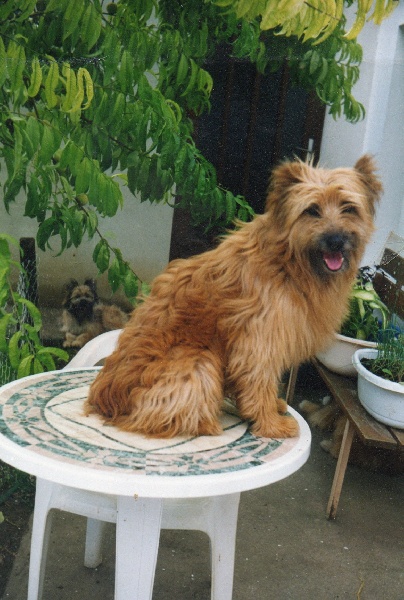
(334, 242)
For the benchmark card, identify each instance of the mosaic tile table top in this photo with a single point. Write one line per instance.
(42, 423)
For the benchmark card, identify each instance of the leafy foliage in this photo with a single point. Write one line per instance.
(308, 20)
(93, 94)
(21, 350)
(362, 322)
(389, 362)
(89, 96)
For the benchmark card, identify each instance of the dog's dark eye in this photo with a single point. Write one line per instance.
(349, 209)
(313, 211)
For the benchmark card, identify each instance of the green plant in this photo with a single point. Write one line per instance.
(362, 323)
(21, 350)
(389, 363)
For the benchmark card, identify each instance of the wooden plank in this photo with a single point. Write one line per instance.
(399, 435)
(343, 389)
(342, 463)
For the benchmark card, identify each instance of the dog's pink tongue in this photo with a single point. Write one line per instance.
(333, 260)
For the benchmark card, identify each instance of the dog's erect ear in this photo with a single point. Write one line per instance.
(287, 174)
(71, 285)
(91, 284)
(67, 290)
(283, 178)
(366, 167)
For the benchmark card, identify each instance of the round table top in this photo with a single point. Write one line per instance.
(44, 432)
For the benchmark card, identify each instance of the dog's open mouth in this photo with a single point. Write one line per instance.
(333, 260)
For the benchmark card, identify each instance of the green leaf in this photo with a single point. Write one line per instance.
(130, 284)
(118, 110)
(92, 223)
(45, 361)
(58, 5)
(34, 131)
(50, 142)
(14, 349)
(33, 312)
(17, 152)
(6, 8)
(126, 73)
(57, 352)
(114, 275)
(75, 226)
(24, 367)
(71, 157)
(16, 63)
(230, 207)
(71, 17)
(315, 60)
(36, 78)
(5, 321)
(90, 26)
(101, 256)
(112, 197)
(45, 232)
(51, 82)
(82, 182)
(3, 63)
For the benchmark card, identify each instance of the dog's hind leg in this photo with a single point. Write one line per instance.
(183, 396)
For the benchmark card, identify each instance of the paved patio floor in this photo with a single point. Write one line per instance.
(286, 548)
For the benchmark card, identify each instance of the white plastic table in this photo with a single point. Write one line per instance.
(131, 479)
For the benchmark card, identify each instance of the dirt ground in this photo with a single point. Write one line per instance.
(16, 512)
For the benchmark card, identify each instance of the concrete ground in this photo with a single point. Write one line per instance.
(286, 548)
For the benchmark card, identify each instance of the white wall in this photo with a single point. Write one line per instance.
(381, 90)
(141, 230)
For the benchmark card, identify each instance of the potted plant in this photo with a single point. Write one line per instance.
(381, 379)
(367, 316)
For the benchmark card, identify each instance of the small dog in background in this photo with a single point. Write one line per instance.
(232, 320)
(84, 316)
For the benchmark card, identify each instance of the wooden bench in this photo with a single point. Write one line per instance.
(389, 284)
(360, 423)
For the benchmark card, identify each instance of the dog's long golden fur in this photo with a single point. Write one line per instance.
(235, 318)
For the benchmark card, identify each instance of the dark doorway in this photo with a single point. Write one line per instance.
(256, 121)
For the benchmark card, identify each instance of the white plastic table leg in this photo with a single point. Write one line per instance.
(222, 532)
(94, 536)
(41, 528)
(137, 543)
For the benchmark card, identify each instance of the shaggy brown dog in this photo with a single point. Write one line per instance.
(85, 316)
(233, 319)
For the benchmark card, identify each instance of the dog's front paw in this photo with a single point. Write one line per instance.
(280, 426)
